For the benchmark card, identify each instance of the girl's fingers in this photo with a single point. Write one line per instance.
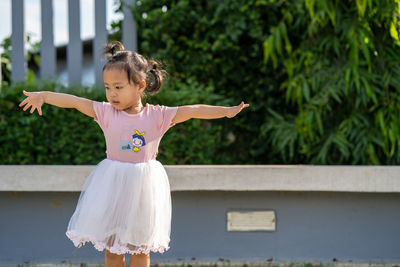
(244, 105)
(23, 102)
(40, 111)
(33, 109)
(25, 92)
(27, 106)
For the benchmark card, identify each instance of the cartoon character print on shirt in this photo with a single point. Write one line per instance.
(132, 142)
(138, 140)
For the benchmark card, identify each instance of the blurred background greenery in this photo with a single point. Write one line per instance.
(321, 77)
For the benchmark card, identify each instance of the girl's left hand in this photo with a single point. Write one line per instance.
(233, 111)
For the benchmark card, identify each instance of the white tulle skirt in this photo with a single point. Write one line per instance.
(124, 208)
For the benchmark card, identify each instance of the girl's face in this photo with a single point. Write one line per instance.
(119, 92)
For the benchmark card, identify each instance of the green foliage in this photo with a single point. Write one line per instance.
(341, 82)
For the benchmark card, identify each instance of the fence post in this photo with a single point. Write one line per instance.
(100, 39)
(74, 48)
(47, 48)
(18, 41)
(129, 34)
(1, 77)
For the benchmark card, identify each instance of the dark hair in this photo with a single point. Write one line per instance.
(136, 66)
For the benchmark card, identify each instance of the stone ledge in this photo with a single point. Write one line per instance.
(70, 178)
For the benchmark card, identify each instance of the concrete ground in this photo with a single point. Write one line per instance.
(227, 265)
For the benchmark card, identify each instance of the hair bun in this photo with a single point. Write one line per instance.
(155, 77)
(113, 48)
(153, 65)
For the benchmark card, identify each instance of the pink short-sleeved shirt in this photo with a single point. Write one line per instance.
(133, 137)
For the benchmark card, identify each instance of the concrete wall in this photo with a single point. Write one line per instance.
(317, 226)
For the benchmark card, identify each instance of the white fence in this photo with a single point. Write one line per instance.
(74, 47)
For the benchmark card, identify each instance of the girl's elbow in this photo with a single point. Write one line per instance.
(184, 113)
(180, 119)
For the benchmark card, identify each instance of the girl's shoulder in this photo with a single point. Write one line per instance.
(101, 104)
(156, 108)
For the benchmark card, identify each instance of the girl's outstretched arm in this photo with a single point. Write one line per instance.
(185, 113)
(37, 99)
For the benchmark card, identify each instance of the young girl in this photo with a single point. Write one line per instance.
(125, 203)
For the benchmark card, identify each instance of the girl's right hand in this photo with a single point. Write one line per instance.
(34, 99)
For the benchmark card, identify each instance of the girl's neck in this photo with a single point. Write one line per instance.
(134, 109)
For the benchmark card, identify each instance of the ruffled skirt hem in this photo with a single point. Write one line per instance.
(80, 240)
